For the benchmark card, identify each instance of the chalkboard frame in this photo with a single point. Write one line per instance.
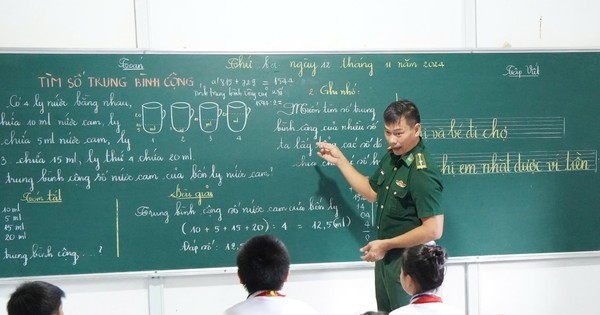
(321, 54)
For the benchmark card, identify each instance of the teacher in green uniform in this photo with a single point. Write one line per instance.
(408, 189)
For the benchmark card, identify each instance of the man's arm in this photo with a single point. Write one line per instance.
(360, 183)
(431, 230)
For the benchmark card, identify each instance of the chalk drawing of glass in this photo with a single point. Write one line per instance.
(209, 116)
(152, 117)
(181, 116)
(237, 115)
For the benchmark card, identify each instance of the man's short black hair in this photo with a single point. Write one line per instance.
(402, 108)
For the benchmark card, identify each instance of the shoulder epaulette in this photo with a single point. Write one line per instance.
(421, 162)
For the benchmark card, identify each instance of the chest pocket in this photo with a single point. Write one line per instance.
(400, 191)
(397, 183)
(399, 188)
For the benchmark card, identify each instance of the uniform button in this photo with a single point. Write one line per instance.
(381, 206)
(387, 187)
(378, 227)
(395, 192)
(395, 168)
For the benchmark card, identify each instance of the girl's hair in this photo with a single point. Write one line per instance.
(426, 265)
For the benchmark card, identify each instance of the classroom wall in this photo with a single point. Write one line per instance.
(515, 284)
(310, 25)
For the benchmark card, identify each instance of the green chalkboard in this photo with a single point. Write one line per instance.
(143, 161)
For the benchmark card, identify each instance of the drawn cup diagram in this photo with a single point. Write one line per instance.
(152, 117)
(182, 114)
(236, 112)
(209, 113)
(237, 115)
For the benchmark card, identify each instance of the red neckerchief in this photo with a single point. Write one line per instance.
(425, 298)
(270, 293)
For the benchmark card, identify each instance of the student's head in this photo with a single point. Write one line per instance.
(422, 268)
(402, 128)
(36, 298)
(263, 263)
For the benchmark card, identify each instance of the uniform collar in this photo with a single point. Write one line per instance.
(409, 157)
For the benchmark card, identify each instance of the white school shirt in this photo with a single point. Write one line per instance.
(426, 308)
(270, 305)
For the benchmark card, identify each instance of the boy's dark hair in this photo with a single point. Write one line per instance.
(35, 298)
(402, 108)
(263, 263)
(426, 265)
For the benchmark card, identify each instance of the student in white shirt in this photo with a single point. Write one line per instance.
(36, 298)
(422, 273)
(263, 266)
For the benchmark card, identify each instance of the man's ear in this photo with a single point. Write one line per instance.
(417, 128)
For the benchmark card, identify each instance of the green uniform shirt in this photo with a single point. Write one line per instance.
(408, 189)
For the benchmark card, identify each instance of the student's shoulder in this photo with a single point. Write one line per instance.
(405, 310)
(237, 309)
(428, 308)
(301, 307)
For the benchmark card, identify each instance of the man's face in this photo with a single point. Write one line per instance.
(401, 136)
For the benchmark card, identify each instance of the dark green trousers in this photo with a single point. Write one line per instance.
(388, 290)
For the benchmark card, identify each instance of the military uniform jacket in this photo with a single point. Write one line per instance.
(408, 188)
